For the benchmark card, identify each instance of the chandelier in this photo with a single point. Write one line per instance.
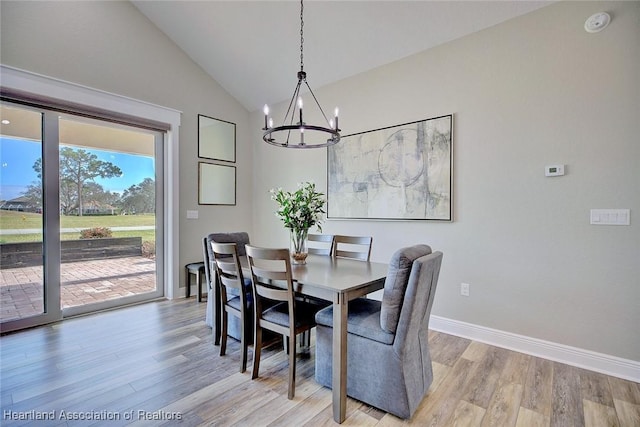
(298, 134)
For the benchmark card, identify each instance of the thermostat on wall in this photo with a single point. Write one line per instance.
(554, 170)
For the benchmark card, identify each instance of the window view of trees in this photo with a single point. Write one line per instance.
(81, 195)
(139, 198)
(99, 237)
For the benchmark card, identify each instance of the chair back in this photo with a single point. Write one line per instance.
(209, 269)
(228, 270)
(395, 284)
(324, 241)
(269, 266)
(241, 238)
(413, 325)
(355, 247)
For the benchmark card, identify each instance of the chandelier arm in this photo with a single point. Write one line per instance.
(317, 103)
(296, 93)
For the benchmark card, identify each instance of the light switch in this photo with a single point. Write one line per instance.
(192, 214)
(610, 216)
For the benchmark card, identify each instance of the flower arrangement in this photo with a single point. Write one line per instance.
(301, 209)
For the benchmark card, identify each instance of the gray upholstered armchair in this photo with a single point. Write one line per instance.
(241, 239)
(388, 361)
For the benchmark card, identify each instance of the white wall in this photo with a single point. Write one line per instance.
(113, 47)
(534, 91)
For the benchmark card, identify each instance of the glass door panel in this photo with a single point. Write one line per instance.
(22, 284)
(108, 221)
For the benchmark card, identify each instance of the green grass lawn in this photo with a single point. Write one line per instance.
(18, 220)
(26, 220)
(147, 235)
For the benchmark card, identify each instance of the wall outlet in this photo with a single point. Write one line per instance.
(464, 289)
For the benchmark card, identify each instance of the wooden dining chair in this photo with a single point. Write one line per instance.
(320, 244)
(272, 282)
(356, 247)
(212, 317)
(317, 244)
(236, 303)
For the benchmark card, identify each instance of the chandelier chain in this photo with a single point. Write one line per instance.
(301, 36)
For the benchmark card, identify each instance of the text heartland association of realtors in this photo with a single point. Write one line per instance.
(91, 415)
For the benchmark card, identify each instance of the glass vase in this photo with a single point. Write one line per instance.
(298, 247)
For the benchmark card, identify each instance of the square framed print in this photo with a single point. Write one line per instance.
(401, 172)
(216, 139)
(216, 184)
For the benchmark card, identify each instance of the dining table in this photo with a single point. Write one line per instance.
(336, 280)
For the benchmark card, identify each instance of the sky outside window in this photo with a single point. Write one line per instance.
(17, 157)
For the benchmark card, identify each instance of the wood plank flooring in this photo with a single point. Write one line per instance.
(155, 364)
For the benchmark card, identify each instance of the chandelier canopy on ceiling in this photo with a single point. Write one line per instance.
(298, 134)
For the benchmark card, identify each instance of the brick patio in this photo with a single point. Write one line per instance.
(83, 282)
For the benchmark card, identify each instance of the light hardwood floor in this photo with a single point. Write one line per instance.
(157, 360)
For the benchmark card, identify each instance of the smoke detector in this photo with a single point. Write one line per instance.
(597, 22)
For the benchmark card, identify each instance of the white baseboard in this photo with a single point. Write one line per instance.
(599, 362)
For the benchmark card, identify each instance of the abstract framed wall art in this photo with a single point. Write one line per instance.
(401, 172)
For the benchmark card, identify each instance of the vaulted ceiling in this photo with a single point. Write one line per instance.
(252, 48)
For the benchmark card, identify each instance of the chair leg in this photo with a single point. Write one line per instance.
(305, 344)
(243, 344)
(292, 366)
(198, 286)
(187, 291)
(223, 334)
(217, 311)
(257, 346)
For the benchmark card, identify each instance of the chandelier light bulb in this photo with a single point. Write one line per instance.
(300, 106)
(266, 115)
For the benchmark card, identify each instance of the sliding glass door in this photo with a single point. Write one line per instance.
(81, 215)
(23, 293)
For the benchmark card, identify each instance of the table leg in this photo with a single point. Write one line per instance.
(339, 368)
